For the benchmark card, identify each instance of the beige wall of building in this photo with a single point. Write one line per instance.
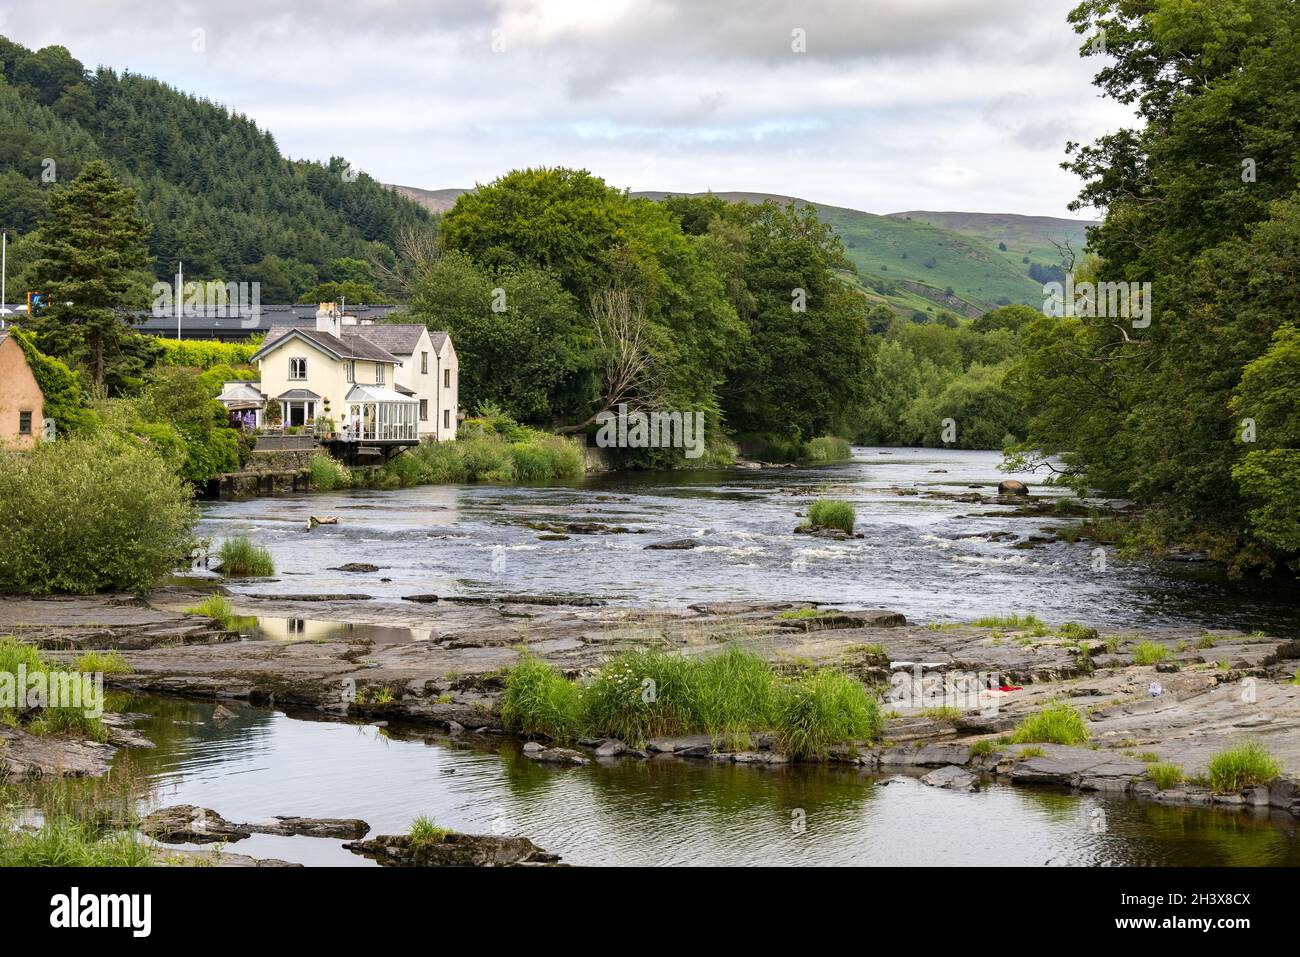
(326, 376)
(22, 407)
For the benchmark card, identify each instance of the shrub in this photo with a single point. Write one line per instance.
(90, 514)
(1056, 724)
(328, 473)
(1165, 775)
(540, 700)
(827, 448)
(1243, 766)
(241, 558)
(1149, 653)
(825, 708)
(829, 513)
(202, 354)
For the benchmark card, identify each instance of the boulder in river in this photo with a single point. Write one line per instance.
(452, 850)
(1012, 487)
(676, 544)
(952, 778)
(355, 567)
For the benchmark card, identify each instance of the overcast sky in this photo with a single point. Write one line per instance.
(907, 104)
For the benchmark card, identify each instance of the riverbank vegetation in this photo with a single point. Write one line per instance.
(103, 513)
(1191, 415)
(730, 696)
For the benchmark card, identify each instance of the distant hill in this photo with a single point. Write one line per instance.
(916, 261)
(215, 188)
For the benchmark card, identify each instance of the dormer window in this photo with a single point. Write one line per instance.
(379, 373)
(297, 369)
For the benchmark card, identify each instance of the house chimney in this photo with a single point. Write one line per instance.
(327, 319)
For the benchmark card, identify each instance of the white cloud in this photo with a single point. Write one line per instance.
(909, 104)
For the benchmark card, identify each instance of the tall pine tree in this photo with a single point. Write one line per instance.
(87, 251)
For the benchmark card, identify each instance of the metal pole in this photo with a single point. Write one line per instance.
(180, 295)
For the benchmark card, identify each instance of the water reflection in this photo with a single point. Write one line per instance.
(259, 763)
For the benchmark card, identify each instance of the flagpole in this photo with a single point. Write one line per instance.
(4, 270)
(180, 295)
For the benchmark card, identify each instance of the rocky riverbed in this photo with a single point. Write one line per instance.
(442, 663)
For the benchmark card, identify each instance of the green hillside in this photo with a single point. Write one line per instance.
(1035, 237)
(215, 188)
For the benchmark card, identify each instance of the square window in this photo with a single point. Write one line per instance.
(298, 369)
(24, 423)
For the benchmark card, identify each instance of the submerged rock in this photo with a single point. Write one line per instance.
(355, 567)
(453, 850)
(557, 755)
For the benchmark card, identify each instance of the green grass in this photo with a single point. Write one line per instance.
(1149, 653)
(1165, 775)
(102, 662)
(242, 558)
(831, 513)
(946, 713)
(424, 832)
(217, 607)
(1027, 753)
(1242, 766)
(1206, 641)
(822, 709)
(800, 613)
(1058, 723)
(981, 749)
(70, 720)
(1012, 623)
(729, 695)
(538, 700)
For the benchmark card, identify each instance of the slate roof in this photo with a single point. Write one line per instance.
(352, 345)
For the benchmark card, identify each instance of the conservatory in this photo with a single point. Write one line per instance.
(378, 414)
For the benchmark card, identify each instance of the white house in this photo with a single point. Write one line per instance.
(386, 384)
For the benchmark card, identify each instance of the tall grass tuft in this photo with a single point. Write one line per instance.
(102, 662)
(831, 513)
(1165, 775)
(217, 607)
(822, 709)
(1056, 724)
(67, 719)
(1243, 766)
(424, 832)
(242, 558)
(1149, 653)
(538, 700)
(639, 695)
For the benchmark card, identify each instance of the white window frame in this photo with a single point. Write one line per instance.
(351, 365)
(379, 373)
(293, 364)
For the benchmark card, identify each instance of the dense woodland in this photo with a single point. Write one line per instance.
(567, 297)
